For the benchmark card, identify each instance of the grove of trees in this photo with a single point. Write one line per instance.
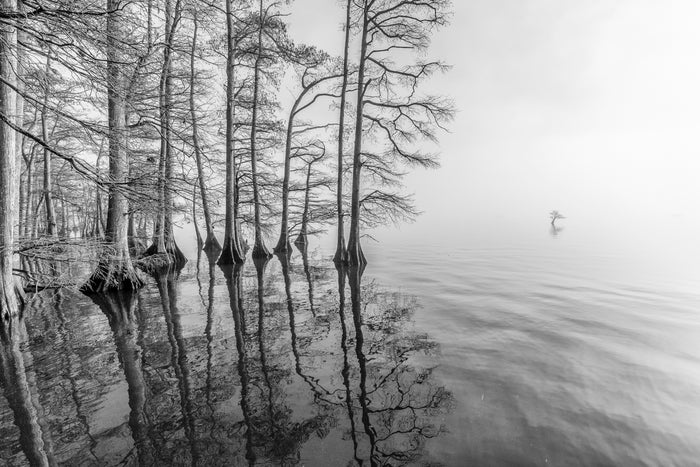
(120, 119)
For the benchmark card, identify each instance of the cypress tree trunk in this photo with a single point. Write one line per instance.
(19, 155)
(283, 245)
(164, 241)
(231, 253)
(9, 303)
(48, 198)
(200, 242)
(355, 254)
(303, 232)
(210, 243)
(115, 270)
(259, 248)
(28, 198)
(341, 254)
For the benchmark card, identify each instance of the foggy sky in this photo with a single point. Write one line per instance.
(589, 107)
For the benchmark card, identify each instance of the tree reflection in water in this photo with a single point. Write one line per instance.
(283, 366)
(21, 392)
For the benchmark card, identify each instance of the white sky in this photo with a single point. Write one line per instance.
(591, 107)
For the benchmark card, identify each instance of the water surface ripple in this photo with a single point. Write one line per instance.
(516, 355)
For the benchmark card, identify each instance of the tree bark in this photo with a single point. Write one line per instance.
(283, 244)
(19, 155)
(210, 243)
(48, 198)
(259, 248)
(9, 303)
(115, 270)
(355, 254)
(164, 241)
(231, 253)
(303, 231)
(341, 254)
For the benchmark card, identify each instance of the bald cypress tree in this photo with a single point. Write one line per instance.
(9, 304)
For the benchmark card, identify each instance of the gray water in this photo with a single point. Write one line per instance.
(565, 347)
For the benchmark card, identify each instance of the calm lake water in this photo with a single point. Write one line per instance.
(570, 347)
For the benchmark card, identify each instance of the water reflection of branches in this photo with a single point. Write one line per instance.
(397, 410)
(320, 393)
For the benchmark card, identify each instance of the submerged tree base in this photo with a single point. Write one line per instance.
(341, 256)
(111, 276)
(211, 244)
(260, 251)
(355, 255)
(175, 256)
(154, 262)
(231, 254)
(284, 246)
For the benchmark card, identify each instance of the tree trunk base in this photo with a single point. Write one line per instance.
(302, 239)
(211, 244)
(230, 255)
(341, 256)
(284, 246)
(176, 257)
(112, 276)
(355, 255)
(260, 251)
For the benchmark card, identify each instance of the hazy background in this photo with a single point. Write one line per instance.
(588, 107)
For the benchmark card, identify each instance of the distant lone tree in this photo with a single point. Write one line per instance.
(554, 215)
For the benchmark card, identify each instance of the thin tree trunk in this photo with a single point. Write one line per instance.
(19, 154)
(64, 214)
(303, 232)
(283, 244)
(48, 199)
(9, 303)
(232, 253)
(355, 254)
(211, 243)
(341, 254)
(29, 198)
(194, 217)
(259, 248)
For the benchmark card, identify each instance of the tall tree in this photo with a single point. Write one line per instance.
(164, 241)
(9, 304)
(312, 60)
(115, 270)
(48, 197)
(232, 253)
(259, 248)
(341, 254)
(210, 243)
(389, 110)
